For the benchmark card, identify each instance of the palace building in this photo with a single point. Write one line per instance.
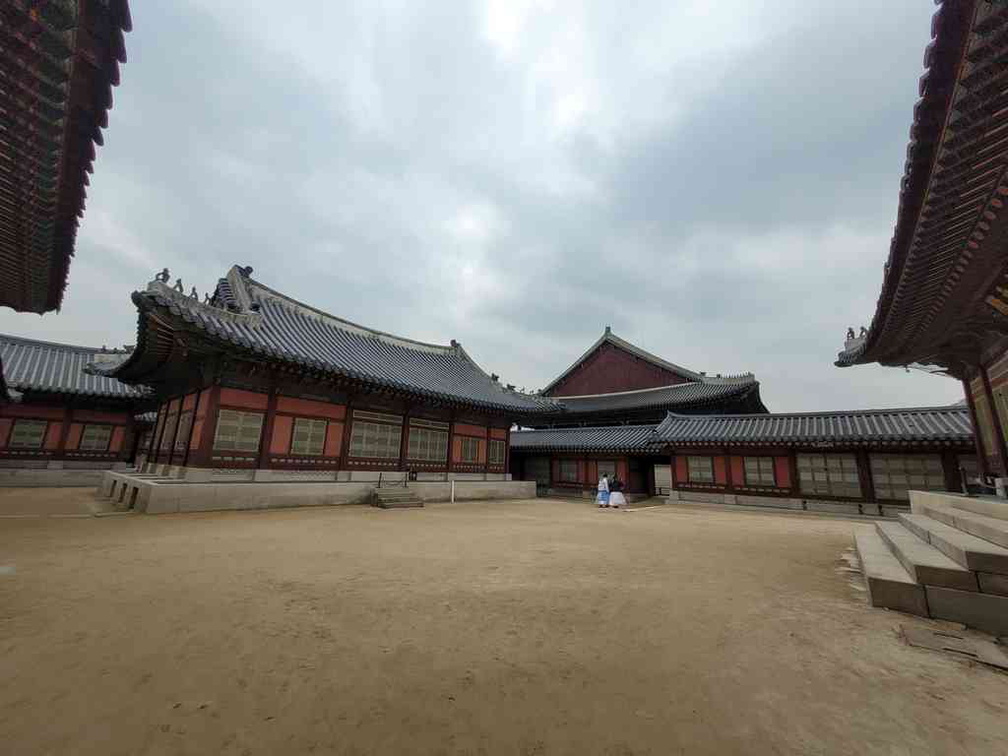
(255, 385)
(665, 430)
(60, 425)
(944, 299)
(58, 63)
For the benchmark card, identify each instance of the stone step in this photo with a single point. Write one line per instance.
(924, 563)
(889, 584)
(982, 611)
(969, 551)
(988, 507)
(401, 498)
(989, 528)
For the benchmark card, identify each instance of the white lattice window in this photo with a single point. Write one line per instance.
(700, 469)
(238, 431)
(28, 434)
(184, 431)
(895, 475)
(829, 475)
(759, 471)
(569, 470)
(375, 435)
(309, 436)
(428, 441)
(95, 438)
(169, 431)
(470, 449)
(496, 452)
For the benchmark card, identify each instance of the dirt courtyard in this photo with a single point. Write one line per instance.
(533, 627)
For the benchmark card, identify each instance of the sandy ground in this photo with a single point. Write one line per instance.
(534, 627)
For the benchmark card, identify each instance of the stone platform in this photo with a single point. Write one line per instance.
(155, 494)
(947, 559)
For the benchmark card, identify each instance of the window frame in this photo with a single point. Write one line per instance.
(102, 426)
(365, 423)
(694, 460)
(217, 441)
(833, 486)
(427, 442)
(469, 443)
(183, 430)
(883, 464)
(496, 460)
(313, 423)
(760, 480)
(28, 421)
(562, 478)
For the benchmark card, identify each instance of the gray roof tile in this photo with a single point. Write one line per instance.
(695, 393)
(625, 438)
(30, 365)
(922, 425)
(269, 324)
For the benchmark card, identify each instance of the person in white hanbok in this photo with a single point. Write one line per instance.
(616, 497)
(603, 491)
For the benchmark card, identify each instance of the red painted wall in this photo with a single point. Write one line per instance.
(73, 436)
(310, 408)
(118, 436)
(5, 428)
(52, 436)
(681, 470)
(720, 471)
(283, 427)
(610, 368)
(230, 397)
(32, 411)
(782, 469)
(333, 440)
(737, 470)
(499, 433)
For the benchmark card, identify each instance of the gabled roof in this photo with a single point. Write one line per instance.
(612, 438)
(42, 366)
(609, 337)
(705, 391)
(58, 63)
(909, 426)
(261, 322)
(944, 299)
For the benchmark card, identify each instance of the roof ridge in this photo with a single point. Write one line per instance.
(740, 379)
(634, 426)
(61, 345)
(825, 413)
(351, 325)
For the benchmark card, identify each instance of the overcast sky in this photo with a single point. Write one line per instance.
(715, 180)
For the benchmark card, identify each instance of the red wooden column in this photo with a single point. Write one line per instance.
(999, 438)
(192, 427)
(729, 478)
(345, 445)
(451, 441)
(267, 431)
(793, 466)
(60, 450)
(507, 451)
(983, 467)
(404, 439)
(204, 457)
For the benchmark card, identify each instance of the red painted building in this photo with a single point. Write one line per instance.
(254, 385)
(59, 424)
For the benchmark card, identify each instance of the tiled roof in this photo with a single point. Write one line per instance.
(929, 425)
(30, 365)
(58, 63)
(942, 301)
(249, 316)
(609, 337)
(705, 391)
(614, 438)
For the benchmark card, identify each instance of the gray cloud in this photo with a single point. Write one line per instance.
(717, 182)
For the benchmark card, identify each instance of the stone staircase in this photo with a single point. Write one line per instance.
(947, 559)
(396, 498)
